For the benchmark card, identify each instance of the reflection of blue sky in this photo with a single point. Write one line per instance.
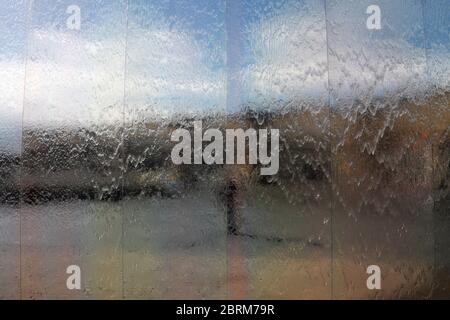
(193, 56)
(437, 22)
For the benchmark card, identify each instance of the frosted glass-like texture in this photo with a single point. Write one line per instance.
(92, 92)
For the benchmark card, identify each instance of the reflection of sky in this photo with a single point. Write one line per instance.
(203, 56)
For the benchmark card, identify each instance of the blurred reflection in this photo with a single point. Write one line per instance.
(382, 156)
(87, 178)
(437, 17)
(277, 73)
(71, 160)
(12, 57)
(174, 226)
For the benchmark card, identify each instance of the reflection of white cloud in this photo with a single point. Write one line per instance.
(75, 78)
(76, 81)
(11, 89)
(290, 60)
(170, 72)
(71, 80)
(290, 57)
